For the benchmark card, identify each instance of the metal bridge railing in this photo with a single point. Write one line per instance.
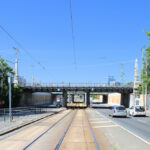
(73, 85)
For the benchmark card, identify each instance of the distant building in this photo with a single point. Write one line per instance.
(19, 80)
(111, 79)
(114, 83)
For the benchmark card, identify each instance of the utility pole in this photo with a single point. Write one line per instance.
(16, 66)
(122, 75)
(2, 78)
(10, 110)
(32, 77)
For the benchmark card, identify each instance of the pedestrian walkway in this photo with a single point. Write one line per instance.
(148, 112)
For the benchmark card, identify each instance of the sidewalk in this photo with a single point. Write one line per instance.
(7, 126)
(148, 112)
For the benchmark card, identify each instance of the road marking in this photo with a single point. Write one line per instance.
(125, 129)
(96, 119)
(107, 126)
(140, 120)
(107, 121)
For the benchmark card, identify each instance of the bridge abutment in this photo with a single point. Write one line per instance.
(125, 99)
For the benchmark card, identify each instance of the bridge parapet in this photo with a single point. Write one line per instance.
(90, 85)
(87, 88)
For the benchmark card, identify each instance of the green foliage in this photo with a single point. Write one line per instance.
(139, 90)
(4, 87)
(145, 73)
(130, 84)
(148, 33)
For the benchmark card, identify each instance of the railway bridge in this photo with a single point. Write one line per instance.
(88, 89)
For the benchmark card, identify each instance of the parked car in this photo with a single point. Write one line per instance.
(137, 111)
(119, 111)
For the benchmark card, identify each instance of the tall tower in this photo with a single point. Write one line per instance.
(16, 67)
(136, 81)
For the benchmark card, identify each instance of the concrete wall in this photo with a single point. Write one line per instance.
(131, 100)
(37, 98)
(26, 99)
(40, 98)
(114, 98)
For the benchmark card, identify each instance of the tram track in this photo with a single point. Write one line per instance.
(61, 140)
(69, 127)
(68, 130)
(96, 142)
(41, 135)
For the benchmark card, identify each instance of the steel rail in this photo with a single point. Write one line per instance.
(29, 145)
(61, 140)
(95, 140)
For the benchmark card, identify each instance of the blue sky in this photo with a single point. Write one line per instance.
(108, 33)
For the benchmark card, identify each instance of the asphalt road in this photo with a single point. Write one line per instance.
(138, 125)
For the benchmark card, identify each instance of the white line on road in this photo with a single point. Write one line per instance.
(105, 121)
(107, 126)
(97, 119)
(125, 129)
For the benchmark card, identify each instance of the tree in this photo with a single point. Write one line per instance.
(145, 73)
(130, 84)
(4, 87)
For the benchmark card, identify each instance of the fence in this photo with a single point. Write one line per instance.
(22, 112)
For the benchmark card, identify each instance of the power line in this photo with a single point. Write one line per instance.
(107, 64)
(20, 45)
(73, 37)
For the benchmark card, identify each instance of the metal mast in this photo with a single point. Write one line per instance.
(16, 66)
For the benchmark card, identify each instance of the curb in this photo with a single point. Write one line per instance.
(27, 123)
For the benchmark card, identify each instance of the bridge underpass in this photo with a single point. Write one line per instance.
(124, 91)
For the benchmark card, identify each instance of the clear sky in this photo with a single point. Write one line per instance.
(107, 33)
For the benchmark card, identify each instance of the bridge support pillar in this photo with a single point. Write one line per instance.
(26, 99)
(65, 96)
(125, 99)
(88, 98)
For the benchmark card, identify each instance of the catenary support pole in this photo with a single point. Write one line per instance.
(10, 110)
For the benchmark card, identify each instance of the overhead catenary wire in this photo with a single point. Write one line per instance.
(73, 37)
(21, 46)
